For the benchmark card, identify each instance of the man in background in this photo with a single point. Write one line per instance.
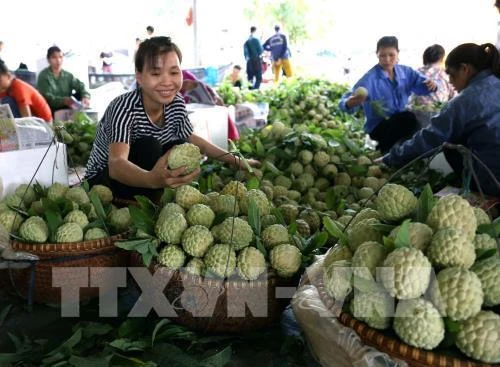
(252, 50)
(280, 54)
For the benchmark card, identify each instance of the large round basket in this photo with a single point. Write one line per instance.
(223, 306)
(389, 344)
(91, 257)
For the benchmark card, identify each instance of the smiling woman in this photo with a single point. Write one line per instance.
(138, 129)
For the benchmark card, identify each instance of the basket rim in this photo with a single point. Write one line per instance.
(67, 247)
(387, 344)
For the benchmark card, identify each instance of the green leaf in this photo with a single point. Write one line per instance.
(253, 183)
(254, 216)
(268, 166)
(16, 341)
(171, 355)
(245, 147)
(132, 245)
(353, 147)
(334, 230)
(452, 328)
(66, 348)
(492, 229)
(146, 205)
(158, 326)
(259, 148)
(383, 228)
(292, 228)
(426, 202)
(358, 170)
(331, 199)
(260, 246)
(482, 254)
(403, 236)
(54, 221)
(131, 327)
(315, 242)
(142, 220)
(94, 198)
(219, 359)
(388, 243)
(127, 345)
(92, 329)
(6, 358)
(279, 217)
(89, 361)
(4, 313)
(86, 186)
(168, 196)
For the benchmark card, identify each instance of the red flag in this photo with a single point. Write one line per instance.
(189, 17)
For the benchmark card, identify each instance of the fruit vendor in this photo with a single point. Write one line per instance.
(383, 93)
(25, 101)
(471, 119)
(130, 152)
(58, 85)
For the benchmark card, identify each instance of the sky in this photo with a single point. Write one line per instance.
(357, 24)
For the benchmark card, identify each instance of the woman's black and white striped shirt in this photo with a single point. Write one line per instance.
(125, 121)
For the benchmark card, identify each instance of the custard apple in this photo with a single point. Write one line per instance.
(268, 220)
(196, 240)
(195, 266)
(419, 234)
(337, 253)
(78, 217)
(56, 190)
(13, 201)
(200, 214)
(305, 156)
(226, 204)
(186, 196)
(250, 263)
(483, 241)
(69, 232)
(172, 257)
(479, 337)
(233, 230)
(120, 220)
(488, 271)
(296, 168)
(457, 293)
(368, 256)
(78, 195)
(418, 323)
(171, 208)
(170, 228)
(95, 234)
(453, 211)
(10, 220)
(321, 159)
(395, 202)
(406, 273)
(279, 191)
(337, 278)
(34, 229)
(289, 212)
(285, 259)
(303, 228)
(104, 193)
(283, 181)
(274, 235)
(26, 193)
(362, 232)
(481, 216)
(451, 247)
(186, 154)
(220, 260)
(312, 218)
(330, 171)
(260, 200)
(235, 188)
(342, 179)
(375, 309)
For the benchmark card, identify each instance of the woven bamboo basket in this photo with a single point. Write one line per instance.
(218, 306)
(390, 344)
(89, 254)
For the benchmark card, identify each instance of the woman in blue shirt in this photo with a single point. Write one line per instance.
(471, 119)
(389, 85)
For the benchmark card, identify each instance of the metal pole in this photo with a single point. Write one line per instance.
(195, 35)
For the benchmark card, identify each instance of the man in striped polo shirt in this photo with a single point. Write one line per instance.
(130, 152)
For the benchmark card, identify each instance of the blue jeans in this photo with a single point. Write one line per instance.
(13, 105)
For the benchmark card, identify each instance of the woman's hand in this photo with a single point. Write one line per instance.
(431, 85)
(162, 176)
(85, 102)
(238, 163)
(354, 100)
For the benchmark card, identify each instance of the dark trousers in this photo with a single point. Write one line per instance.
(144, 153)
(254, 70)
(488, 185)
(399, 127)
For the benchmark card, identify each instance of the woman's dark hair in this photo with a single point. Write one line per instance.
(387, 41)
(153, 47)
(481, 57)
(433, 54)
(3, 68)
(52, 50)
